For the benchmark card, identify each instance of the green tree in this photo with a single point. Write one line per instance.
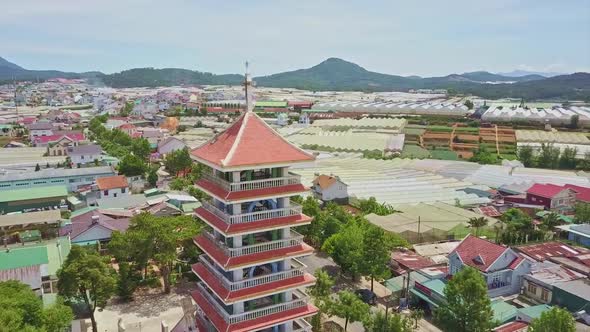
(178, 160)
(152, 177)
(550, 220)
(37, 168)
(372, 206)
(548, 156)
(575, 121)
(483, 156)
(567, 160)
(350, 307)
(388, 322)
(158, 239)
(132, 165)
(477, 223)
(416, 314)
(85, 277)
(556, 319)
(582, 213)
(469, 104)
(127, 108)
(322, 289)
(584, 164)
(376, 254)
(468, 307)
(525, 155)
(141, 148)
(22, 310)
(346, 248)
(127, 282)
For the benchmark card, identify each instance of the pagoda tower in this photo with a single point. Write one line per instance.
(251, 279)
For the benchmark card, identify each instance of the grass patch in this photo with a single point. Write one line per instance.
(444, 155)
(414, 151)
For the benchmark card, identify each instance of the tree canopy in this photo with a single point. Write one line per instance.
(86, 278)
(556, 319)
(468, 307)
(22, 310)
(350, 307)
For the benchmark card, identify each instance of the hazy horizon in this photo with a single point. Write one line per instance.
(429, 38)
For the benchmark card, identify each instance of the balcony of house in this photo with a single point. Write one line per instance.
(255, 281)
(499, 283)
(252, 315)
(254, 216)
(231, 186)
(253, 249)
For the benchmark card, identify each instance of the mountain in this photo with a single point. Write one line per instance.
(521, 73)
(10, 71)
(150, 77)
(485, 77)
(339, 75)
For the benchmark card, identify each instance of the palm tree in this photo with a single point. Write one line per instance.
(477, 223)
(498, 228)
(550, 220)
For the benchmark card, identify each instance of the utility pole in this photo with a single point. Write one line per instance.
(419, 236)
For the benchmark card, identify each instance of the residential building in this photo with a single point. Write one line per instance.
(128, 128)
(41, 128)
(61, 146)
(582, 193)
(527, 314)
(552, 197)
(330, 188)
(404, 261)
(573, 295)
(112, 186)
(538, 284)
(95, 226)
(170, 144)
(250, 277)
(83, 154)
(501, 267)
(579, 234)
(35, 263)
(43, 141)
(71, 178)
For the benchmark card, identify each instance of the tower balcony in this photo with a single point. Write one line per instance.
(254, 221)
(267, 283)
(248, 190)
(250, 255)
(265, 315)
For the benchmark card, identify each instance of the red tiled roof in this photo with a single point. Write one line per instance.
(582, 193)
(515, 262)
(53, 138)
(545, 190)
(249, 141)
(512, 327)
(411, 260)
(126, 126)
(471, 248)
(112, 182)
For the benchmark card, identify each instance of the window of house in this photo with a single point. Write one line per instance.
(106, 192)
(532, 288)
(123, 190)
(533, 199)
(544, 294)
(82, 157)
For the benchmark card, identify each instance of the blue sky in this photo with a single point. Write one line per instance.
(425, 37)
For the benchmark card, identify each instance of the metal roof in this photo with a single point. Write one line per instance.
(33, 193)
(21, 257)
(57, 173)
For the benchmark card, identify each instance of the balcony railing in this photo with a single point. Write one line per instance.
(297, 270)
(254, 184)
(301, 325)
(293, 210)
(294, 240)
(252, 314)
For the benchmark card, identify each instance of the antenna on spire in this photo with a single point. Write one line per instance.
(247, 82)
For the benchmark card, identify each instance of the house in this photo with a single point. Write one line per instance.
(501, 267)
(170, 144)
(579, 234)
(538, 284)
(61, 146)
(330, 188)
(404, 261)
(72, 178)
(552, 197)
(95, 226)
(41, 128)
(42, 141)
(83, 154)
(582, 193)
(30, 199)
(529, 313)
(128, 128)
(573, 295)
(112, 186)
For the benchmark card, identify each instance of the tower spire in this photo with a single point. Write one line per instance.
(247, 83)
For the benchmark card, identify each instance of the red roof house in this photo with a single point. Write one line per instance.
(552, 197)
(582, 193)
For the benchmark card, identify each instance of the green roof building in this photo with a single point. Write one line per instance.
(32, 198)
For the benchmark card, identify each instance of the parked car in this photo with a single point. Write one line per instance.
(366, 295)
